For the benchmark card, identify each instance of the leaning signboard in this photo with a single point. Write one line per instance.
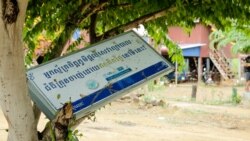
(94, 76)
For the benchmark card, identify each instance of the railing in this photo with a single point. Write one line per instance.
(221, 63)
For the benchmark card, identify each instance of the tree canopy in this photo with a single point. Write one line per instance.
(239, 40)
(57, 20)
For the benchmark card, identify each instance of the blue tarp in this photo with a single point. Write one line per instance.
(191, 52)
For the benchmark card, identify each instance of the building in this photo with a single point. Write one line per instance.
(199, 57)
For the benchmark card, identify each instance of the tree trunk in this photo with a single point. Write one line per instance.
(92, 32)
(15, 102)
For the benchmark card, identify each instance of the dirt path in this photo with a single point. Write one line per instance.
(210, 118)
(177, 122)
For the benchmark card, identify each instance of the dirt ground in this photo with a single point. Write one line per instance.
(211, 117)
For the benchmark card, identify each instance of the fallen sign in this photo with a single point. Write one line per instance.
(96, 75)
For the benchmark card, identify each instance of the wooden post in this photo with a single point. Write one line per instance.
(194, 90)
(176, 73)
(199, 69)
(239, 69)
(208, 64)
(187, 69)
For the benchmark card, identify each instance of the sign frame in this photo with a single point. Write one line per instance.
(103, 95)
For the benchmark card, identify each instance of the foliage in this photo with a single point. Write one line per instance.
(72, 135)
(236, 99)
(158, 33)
(57, 20)
(237, 38)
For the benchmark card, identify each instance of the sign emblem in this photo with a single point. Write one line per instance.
(92, 84)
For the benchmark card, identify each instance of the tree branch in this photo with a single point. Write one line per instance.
(94, 10)
(58, 128)
(70, 27)
(136, 22)
(92, 32)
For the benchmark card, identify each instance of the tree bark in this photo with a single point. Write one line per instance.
(59, 127)
(15, 102)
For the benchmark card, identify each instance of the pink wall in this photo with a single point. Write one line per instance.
(228, 52)
(199, 34)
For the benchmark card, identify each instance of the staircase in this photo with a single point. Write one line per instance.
(221, 63)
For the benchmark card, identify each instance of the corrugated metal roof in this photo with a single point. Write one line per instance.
(184, 46)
